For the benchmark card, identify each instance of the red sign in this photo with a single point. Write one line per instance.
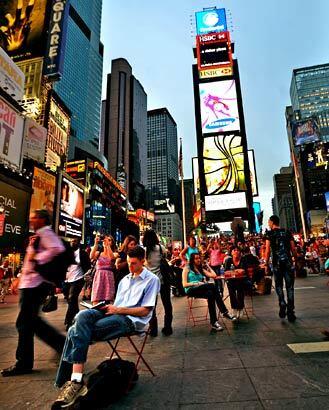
(214, 50)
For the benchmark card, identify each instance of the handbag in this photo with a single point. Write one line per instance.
(51, 304)
(89, 275)
(167, 271)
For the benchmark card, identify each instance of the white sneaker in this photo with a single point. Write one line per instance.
(216, 326)
(229, 316)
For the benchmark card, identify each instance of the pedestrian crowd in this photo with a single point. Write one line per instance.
(122, 284)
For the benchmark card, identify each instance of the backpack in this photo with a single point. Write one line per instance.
(108, 382)
(282, 253)
(55, 270)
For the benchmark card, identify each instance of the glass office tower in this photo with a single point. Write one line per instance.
(81, 85)
(309, 90)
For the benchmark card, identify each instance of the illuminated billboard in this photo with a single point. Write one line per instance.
(12, 78)
(44, 186)
(58, 135)
(22, 28)
(253, 175)
(316, 156)
(214, 50)
(211, 21)
(224, 167)
(71, 209)
(305, 131)
(219, 107)
(11, 135)
(225, 201)
(326, 195)
(216, 72)
(34, 143)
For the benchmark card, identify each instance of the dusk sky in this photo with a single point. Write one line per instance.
(272, 37)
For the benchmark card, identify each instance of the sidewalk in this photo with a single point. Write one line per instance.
(247, 366)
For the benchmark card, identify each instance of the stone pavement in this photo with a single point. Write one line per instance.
(247, 366)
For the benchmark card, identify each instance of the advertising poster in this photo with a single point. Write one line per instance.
(71, 211)
(44, 186)
(78, 171)
(34, 142)
(12, 78)
(211, 21)
(253, 175)
(22, 28)
(316, 156)
(223, 159)
(13, 216)
(58, 135)
(219, 107)
(305, 132)
(327, 200)
(11, 135)
(214, 51)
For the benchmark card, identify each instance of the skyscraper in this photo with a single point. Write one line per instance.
(81, 84)
(309, 90)
(162, 157)
(124, 130)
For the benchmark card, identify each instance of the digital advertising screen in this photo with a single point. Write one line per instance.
(316, 156)
(12, 79)
(214, 51)
(326, 195)
(22, 28)
(210, 21)
(224, 168)
(225, 201)
(219, 107)
(196, 177)
(253, 175)
(305, 132)
(257, 211)
(44, 187)
(71, 209)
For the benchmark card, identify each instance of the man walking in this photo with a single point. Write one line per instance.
(131, 311)
(282, 245)
(33, 291)
(75, 281)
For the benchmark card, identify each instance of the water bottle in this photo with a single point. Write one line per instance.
(222, 270)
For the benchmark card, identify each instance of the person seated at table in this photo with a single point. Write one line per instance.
(131, 312)
(194, 285)
(252, 265)
(236, 285)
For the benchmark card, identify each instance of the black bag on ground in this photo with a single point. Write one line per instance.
(108, 383)
(51, 304)
(55, 270)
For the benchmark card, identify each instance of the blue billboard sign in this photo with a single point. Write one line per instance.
(211, 21)
(54, 58)
(257, 210)
(327, 200)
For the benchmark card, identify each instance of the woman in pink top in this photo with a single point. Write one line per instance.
(216, 259)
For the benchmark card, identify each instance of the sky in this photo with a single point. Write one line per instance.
(272, 37)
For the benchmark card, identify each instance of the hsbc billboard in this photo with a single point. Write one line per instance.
(214, 51)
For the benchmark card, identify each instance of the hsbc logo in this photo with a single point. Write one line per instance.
(213, 37)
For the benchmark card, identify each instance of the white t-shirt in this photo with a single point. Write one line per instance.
(75, 271)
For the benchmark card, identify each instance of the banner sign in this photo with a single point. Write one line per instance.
(44, 186)
(12, 78)
(253, 174)
(13, 216)
(216, 72)
(219, 107)
(58, 135)
(225, 201)
(211, 21)
(34, 142)
(305, 131)
(22, 24)
(54, 59)
(11, 135)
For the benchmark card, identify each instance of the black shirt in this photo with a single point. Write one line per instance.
(280, 245)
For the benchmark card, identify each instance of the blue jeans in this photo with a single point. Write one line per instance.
(285, 272)
(89, 325)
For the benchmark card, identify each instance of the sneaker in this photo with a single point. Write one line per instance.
(282, 312)
(229, 316)
(167, 331)
(216, 326)
(69, 394)
(291, 317)
(15, 371)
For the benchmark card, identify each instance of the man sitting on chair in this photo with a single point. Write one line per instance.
(131, 311)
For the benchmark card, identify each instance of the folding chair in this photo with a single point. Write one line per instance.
(190, 314)
(138, 349)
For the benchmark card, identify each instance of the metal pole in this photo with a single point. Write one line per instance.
(300, 203)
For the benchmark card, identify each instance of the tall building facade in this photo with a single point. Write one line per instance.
(309, 90)
(162, 158)
(80, 87)
(123, 138)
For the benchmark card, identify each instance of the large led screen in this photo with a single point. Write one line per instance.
(22, 28)
(326, 195)
(253, 175)
(211, 21)
(316, 156)
(219, 107)
(305, 132)
(223, 159)
(227, 201)
(214, 51)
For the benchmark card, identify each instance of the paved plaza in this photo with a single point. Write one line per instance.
(247, 366)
